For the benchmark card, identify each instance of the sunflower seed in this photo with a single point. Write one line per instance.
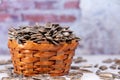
(118, 67)
(9, 78)
(103, 67)
(119, 72)
(105, 75)
(85, 71)
(116, 76)
(74, 73)
(66, 33)
(117, 61)
(98, 72)
(75, 67)
(9, 71)
(79, 60)
(96, 65)
(58, 78)
(76, 77)
(2, 71)
(107, 61)
(86, 66)
(114, 66)
(4, 62)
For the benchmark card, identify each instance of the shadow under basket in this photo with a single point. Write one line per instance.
(31, 58)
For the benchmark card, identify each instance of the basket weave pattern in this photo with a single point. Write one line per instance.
(32, 58)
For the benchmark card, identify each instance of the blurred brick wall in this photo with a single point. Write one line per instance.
(24, 12)
(97, 22)
(99, 27)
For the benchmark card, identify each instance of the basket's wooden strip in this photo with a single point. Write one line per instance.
(43, 69)
(30, 71)
(29, 59)
(20, 68)
(46, 63)
(26, 51)
(34, 46)
(56, 71)
(58, 57)
(63, 48)
(53, 47)
(70, 56)
(29, 66)
(16, 71)
(44, 54)
(16, 60)
(29, 55)
(18, 56)
(12, 44)
(67, 61)
(58, 66)
(19, 63)
(11, 51)
(67, 69)
(59, 74)
(69, 52)
(73, 45)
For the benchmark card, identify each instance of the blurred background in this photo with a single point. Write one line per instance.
(96, 22)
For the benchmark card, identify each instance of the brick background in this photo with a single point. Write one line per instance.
(24, 12)
(100, 26)
(97, 22)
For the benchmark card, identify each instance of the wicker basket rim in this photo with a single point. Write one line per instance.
(43, 42)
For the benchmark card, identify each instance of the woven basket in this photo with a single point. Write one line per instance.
(31, 58)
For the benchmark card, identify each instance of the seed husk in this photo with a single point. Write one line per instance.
(75, 67)
(73, 73)
(85, 71)
(117, 61)
(106, 76)
(103, 67)
(114, 66)
(4, 62)
(116, 76)
(107, 61)
(98, 72)
(86, 66)
(119, 72)
(79, 60)
(76, 77)
(118, 67)
(9, 78)
(96, 65)
(2, 70)
(58, 78)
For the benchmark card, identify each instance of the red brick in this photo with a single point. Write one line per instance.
(6, 6)
(15, 5)
(45, 4)
(40, 18)
(49, 18)
(3, 17)
(32, 18)
(72, 4)
(67, 18)
(3, 6)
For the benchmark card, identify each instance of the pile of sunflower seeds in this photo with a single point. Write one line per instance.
(52, 33)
